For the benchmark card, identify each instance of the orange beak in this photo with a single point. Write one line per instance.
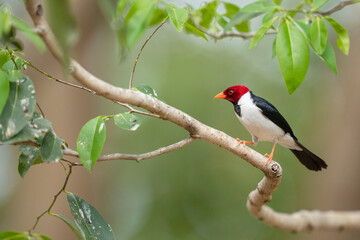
(220, 95)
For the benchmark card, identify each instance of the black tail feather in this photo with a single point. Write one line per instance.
(309, 159)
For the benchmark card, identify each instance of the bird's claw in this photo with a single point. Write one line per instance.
(243, 142)
(269, 159)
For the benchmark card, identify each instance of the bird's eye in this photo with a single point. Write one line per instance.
(230, 92)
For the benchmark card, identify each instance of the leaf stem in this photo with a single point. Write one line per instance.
(54, 200)
(138, 56)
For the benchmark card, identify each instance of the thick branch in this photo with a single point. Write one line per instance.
(268, 184)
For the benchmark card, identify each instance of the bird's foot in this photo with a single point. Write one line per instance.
(244, 142)
(269, 158)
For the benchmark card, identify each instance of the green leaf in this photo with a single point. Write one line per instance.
(278, 2)
(305, 28)
(5, 22)
(50, 148)
(318, 35)
(267, 17)
(231, 9)
(318, 4)
(4, 57)
(78, 233)
(194, 30)
(329, 57)
(239, 18)
(178, 16)
(90, 142)
(343, 40)
(10, 235)
(292, 52)
(30, 155)
(120, 7)
(19, 108)
(4, 90)
(29, 33)
(63, 24)
(259, 7)
(273, 49)
(137, 20)
(260, 33)
(9, 65)
(88, 219)
(145, 89)
(35, 128)
(127, 121)
(158, 16)
(243, 27)
(208, 12)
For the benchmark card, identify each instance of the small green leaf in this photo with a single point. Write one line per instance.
(178, 16)
(273, 49)
(278, 2)
(194, 30)
(342, 41)
(9, 65)
(127, 121)
(50, 149)
(208, 11)
(158, 16)
(243, 27)
(10, 235)
(145, 89)
(88, 219)
(19, 108)
(29, 156)
(4, 90)
(260, 33)
(239, 18)
(231, 9)
(29, 33)
(267, 17)
(292, 52)
(72, 226)
(318, 35)
(90, 142)
(120, 7)
(329, 57)
(259, 7)
(137, 20)
(305, 28)
(318, 4)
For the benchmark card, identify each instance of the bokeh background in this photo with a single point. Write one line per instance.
(198, 192)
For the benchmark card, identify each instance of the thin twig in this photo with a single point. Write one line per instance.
(41, 111)
(338, 7)
(137, 58)
(54, 200)
(133, 110)
(59, 80)
(136, 157)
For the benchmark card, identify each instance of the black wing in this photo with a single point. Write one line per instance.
(272, 113)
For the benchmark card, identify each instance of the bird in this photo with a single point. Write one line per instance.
(265, 123)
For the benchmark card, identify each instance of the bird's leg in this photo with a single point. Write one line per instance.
(244, 142)
(270, 156)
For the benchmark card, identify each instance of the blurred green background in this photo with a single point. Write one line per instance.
(198, 192)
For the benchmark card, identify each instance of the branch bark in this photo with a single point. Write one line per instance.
(299, 221)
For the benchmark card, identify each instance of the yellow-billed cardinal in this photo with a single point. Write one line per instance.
(265, 123)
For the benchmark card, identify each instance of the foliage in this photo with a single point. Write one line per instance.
(297, 31)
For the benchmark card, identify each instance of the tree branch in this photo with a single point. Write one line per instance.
(272, 171)
(338, 7)
(136, 157)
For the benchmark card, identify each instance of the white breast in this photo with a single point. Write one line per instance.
(259, 126)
